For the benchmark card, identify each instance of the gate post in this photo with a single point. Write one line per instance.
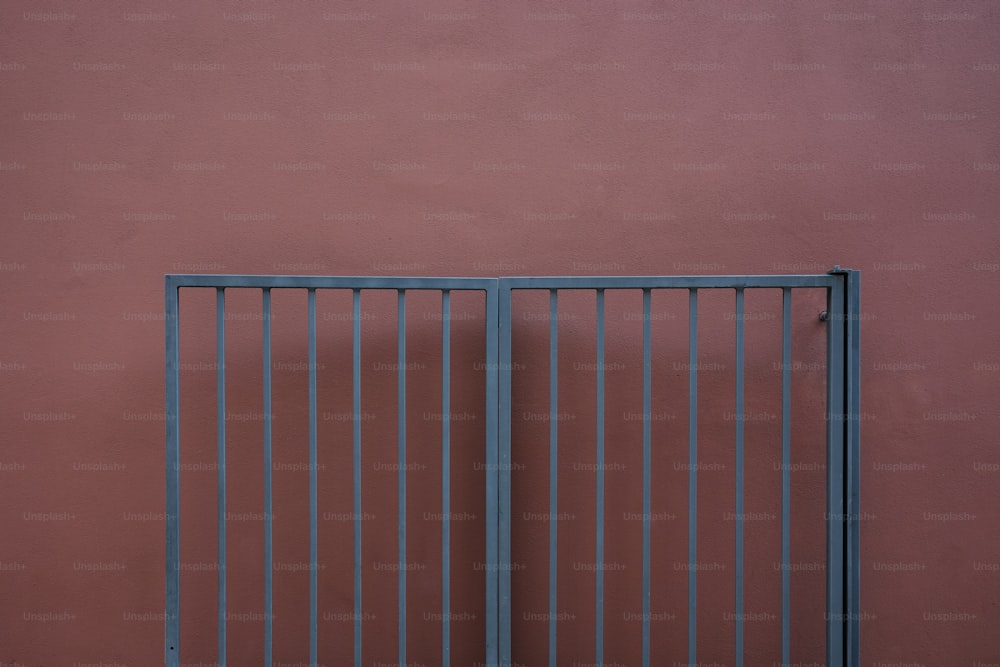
(171, 648)
(844, 470)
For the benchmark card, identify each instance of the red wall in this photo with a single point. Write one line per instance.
(448, 139)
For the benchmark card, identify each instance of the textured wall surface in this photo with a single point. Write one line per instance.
(490, 139)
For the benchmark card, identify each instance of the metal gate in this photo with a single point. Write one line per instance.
(497, 644)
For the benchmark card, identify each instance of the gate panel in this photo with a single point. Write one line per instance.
(323, 601)
(841, 450)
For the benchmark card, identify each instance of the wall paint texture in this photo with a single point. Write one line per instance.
(488, 139)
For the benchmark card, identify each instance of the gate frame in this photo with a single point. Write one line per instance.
(843, 433)
(173, 283)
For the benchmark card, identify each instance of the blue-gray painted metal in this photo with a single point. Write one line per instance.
(599, 570)
(851, 466)
(647, 467)
(786, 474)
(356, 441)
(553, 468)
(692, 476)
(503, 509)
(172, 635)
(445, 478)
(852, 558)
(660, 282)
(835, 478)
(268, 491)
(692, 283)
(843, 451)
(313, 488)
(496, 513)
(312, 283)
(401, 470)
(739, 477)
(331, 282)
(220, 417)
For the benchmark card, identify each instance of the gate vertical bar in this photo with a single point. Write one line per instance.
(853, 452)
(599, 570)
(739, 475)
(786, 473)
(173, 482)
(503, 527)
(220, 359)
(445, 478)
(553, 467)
(692, 475)
(647, 465)
(401, 415)
(356, 414)
(313, 512)
(497, 516)
(835, 477)
(268, 495)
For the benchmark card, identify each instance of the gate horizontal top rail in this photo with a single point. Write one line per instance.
(842, 449)
(328, 282)
(666, 282)
(516, 282)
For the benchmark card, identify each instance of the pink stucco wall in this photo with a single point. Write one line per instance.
(483, 139)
